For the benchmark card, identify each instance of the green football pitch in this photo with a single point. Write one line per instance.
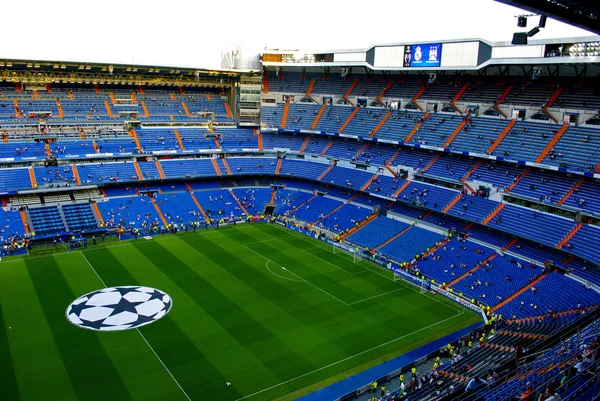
(272, 311)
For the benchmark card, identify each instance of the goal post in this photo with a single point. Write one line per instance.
(423, 286)
(352, 253)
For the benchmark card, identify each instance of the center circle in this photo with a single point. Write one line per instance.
(119, 308)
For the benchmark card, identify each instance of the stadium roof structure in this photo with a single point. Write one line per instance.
(584, 14)
(42, 72)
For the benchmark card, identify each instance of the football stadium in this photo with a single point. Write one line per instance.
(405, 221)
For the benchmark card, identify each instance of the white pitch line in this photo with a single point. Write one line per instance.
(285, 278)
(410, 287)
(328, 262)
(376, 296)
(350, 357)
(143, 338)
(300, 277)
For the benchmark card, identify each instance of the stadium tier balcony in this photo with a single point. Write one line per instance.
(573, 294)
(106, 172)
(130, 212)
(14, 178)
(414, 241)
(398, 125)
(296, 168)
(287, 200)
(534, 93)
(526, 140)
(367, 86)
(343, 148)
(46, 221)
(376, 154)
(251, 165)
(429, 196)
(333, 85)
(283, 141)
(540, 184)
(188, 168)
(365, 121)
(473, 208)
(79, 217)
(300, 116)
(178, 208)
(478, 134)
(233, 138)
(149, 170)
(496, 280)
(406, 87)
(451, 167)
(498, 174)
(316, 145)
(484, 90)
(585, 243)
(316, 209)
(11, 225)
(253, 199)
(219, 204)
(585, 197)
(436, 130)
(344, 218)
(578, 149)
(584, 95)
(377, 232)
(333, 118)
(49, 176)
(385, 186)
(414, 158)
(22, 149)
(270, 116)
(532, 225)
(289, 83)
(156, 140)
(116, 145)
(342, 176)
(456, 258)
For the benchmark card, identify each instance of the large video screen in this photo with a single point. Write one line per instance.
(423, 55)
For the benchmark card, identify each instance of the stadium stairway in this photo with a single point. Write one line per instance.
(458, 96)
(456, 132)
(551, 144)
(179, 141)
(416, 127)
(315, 122)
(239, 204)
(331, 166)
(570, 192)
(286, 110)
(361, 224)
(570, 235)
(473, 269)
(493, 214)
(185, 109)
(522, 290)
(108, 109)
(200, 208)
(349, 92)
(160, 213)
(216, 167)
(519, 178)
(378, 247)
(378, 126)
(161, 173)
(350, 118)
(500, 137)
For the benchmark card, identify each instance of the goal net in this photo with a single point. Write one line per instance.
(423, 286)
(347, 252)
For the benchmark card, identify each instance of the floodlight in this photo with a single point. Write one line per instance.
(522, 21)
(533, 31)
(519, 38)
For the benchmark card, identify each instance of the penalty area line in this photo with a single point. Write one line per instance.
(348, 358)
(140, 333)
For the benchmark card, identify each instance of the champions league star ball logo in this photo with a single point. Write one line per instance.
(418, 53)
(119, 308)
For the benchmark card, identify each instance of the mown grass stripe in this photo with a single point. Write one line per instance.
(9, 390)
(198, 376)
(250, 333)
(30, 339)
(92, 373)
(301, 316)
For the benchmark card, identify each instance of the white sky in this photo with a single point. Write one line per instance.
(192, 32)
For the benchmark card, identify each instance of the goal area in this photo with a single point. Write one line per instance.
(347, 252)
